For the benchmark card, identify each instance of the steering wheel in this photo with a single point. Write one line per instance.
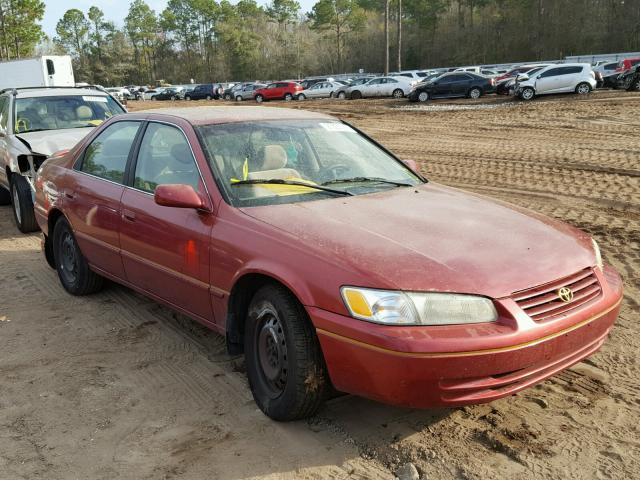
(337, 169)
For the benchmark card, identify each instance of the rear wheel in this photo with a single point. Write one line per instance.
(285, 367)
(22, 202)
(475, 93)
(397, 93)
(259, 98)
(73, 270)
(423, 96)
(583, 89)
(227, 96)
(209, 97)
(302, 96)
(238, 98)
(527, 94)
(288, 97)
(187, 98)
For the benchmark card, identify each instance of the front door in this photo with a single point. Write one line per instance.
(165, 250)
(92, 198)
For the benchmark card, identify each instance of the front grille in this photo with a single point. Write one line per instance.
(543, 302)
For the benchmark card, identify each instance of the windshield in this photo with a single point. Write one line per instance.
(58, 113)
(295, 157)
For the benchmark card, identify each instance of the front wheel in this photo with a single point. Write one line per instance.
(356, 95)
(22, 202)
(475, 93)
(227, 96)
(238, 98)
(209, 97)
(286, 370)
(527, 94)
(302, 96)
(583, 89)
(73, 269)
(397, 93)
(187, 98)
(259, 98)
(342, 95)
(423, 97)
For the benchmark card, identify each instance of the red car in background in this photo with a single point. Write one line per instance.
(278, 91)
(324, 258)
(627, 64)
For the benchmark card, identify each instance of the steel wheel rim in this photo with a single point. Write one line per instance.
(272, 352)
(16, 204)
(68, 258)
(423, 96)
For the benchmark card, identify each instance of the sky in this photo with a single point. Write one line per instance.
(114, 10)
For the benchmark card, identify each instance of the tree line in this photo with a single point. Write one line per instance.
(209, 40)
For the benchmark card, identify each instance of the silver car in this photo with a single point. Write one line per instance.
(320, 90)
(35, 123)
(246, 92)
(396, 87)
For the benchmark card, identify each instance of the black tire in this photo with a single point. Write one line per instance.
(423, 96)
(583, 88)
(475, 93)
(208, 97)
(22, 203)
(73, 270)
(302, 96)
(259, 98)
(227, 96)
(187, 98)
(288, 97)
(356, 95)
(239, 98)
(285, 367)
(397, 93)
(342, 95)
(5, 196)
(154, 97)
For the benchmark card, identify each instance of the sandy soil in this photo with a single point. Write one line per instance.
(116, 386)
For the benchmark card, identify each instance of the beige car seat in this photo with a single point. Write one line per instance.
(274, 165)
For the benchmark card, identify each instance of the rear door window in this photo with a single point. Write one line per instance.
(106, 157)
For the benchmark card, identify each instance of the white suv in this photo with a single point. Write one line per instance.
(563, 78)
(34, 124)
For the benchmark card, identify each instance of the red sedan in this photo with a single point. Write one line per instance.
(324, 258)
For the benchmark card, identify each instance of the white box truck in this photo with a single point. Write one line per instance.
(47, 71)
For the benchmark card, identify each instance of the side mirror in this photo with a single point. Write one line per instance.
(178, 196)
(412, 165)
(522, 78)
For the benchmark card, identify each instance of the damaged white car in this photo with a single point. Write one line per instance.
(35, 123)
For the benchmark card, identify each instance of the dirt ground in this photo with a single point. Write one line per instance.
(116, 386)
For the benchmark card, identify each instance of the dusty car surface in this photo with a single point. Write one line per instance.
(325, 259)
(35, 123)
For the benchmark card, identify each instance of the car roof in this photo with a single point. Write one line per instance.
(209, 115)
(59, 92)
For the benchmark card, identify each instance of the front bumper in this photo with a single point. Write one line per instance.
(411, 370)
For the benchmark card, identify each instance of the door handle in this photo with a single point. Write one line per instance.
(129, 215)
(69, 194)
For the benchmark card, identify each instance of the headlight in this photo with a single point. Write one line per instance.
(596, 250)
(407, 308)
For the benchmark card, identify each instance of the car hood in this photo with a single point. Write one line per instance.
(437, 238)
(50, 141)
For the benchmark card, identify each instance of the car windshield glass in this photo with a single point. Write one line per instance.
(264, 162)
(62, 112)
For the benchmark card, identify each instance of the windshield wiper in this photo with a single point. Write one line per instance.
(278, 181)
(365, 180)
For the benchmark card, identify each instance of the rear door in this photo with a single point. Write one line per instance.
(165, 250)
(92, 198)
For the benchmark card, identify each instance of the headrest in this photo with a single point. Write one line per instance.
(274, 157)
(84, 113)
(182, 153)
